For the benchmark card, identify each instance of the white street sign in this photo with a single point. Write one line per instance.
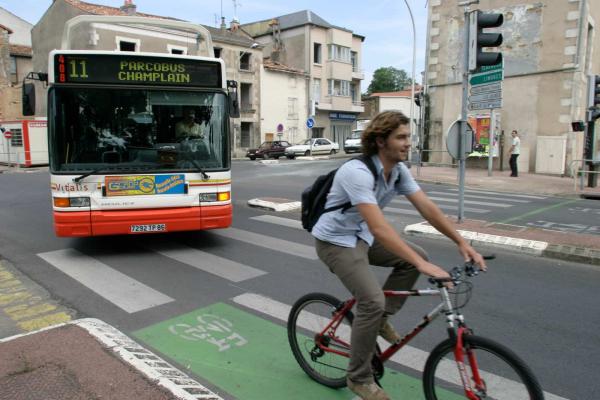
(491, 87)
(477, 98)
(486, 105)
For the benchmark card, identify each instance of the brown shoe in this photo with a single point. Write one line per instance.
(388, 332)
(367, 391)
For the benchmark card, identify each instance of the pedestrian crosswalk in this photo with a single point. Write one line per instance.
(133, 296)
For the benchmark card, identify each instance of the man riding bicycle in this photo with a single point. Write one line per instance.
(349, 240)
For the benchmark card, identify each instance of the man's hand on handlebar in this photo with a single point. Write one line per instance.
(471, 255)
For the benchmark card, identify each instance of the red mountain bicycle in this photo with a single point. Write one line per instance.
(466, 365)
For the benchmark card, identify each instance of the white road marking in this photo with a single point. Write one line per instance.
(272, 219)
(408, 356)
(524, 196)
(116, 287)
(445, 207)
(477, 203)
(222, 267)
(269, 242)
(473, 196)
(393, 210)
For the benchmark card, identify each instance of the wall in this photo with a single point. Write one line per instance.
(544, 85)
(276, 88)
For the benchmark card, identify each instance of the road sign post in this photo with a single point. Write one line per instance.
(7, 137)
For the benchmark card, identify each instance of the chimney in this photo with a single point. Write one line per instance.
(223, 24)
(235, 24)
(128, 7)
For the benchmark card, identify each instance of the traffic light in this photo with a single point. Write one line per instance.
(478, 21)
(594, 96)
(578, 126)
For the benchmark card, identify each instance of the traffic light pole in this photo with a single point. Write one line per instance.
(463, 116)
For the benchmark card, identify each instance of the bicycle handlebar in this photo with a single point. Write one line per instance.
(469, 268)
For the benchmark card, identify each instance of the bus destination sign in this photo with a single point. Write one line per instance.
(135, 70)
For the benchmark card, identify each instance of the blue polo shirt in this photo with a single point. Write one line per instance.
(354, 183)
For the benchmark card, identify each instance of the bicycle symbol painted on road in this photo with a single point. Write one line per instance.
(212, 329)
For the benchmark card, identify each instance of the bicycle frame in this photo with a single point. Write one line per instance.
(456, 329)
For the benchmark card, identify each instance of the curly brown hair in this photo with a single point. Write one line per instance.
(381, 126)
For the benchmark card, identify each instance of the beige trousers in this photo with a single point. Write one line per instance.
(352, 267)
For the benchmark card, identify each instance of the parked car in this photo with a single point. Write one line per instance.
(271, 149)
(352, 144)
(312, 147)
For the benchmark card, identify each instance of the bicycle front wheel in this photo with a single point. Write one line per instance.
(307, 321)
(504, 376)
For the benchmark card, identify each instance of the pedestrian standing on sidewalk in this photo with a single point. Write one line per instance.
(349, 240)
(515, 150)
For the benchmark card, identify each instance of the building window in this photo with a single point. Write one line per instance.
(339, 53)
(245, 61)
(336, 87)
(217, 51)
(176, 49)
(246, 97)
(14, 76)
(316, 89)
(353, 92)
(17, 138)
(245, 136)
(318, 132)
(317, 53)
(127, 44)
(292, 108)
(354, 61)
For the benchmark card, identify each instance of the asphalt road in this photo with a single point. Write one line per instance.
(545, 310)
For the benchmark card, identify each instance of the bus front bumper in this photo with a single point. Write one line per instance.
(122, 222)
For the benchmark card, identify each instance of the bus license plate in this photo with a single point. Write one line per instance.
(149, 228)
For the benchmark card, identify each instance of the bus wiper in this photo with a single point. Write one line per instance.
(200, 169)
(92, 172)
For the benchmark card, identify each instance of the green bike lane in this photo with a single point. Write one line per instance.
(249, 357)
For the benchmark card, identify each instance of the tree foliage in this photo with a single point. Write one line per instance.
(389, 79)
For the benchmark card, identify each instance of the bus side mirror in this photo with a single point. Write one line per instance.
(234, 104)
(28, 99)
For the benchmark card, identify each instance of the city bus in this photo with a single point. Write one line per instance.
(119, 163)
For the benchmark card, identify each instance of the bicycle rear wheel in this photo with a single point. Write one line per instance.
(308, 318)
(505, 376)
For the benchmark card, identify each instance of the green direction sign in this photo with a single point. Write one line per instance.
(487, 68)
(487, 77)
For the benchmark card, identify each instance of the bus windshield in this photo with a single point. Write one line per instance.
(122, 130)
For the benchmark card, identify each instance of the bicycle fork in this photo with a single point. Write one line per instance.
(459, 355)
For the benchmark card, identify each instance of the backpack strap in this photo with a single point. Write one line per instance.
(368, 161)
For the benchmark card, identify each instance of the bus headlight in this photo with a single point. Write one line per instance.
(71, 202)
(208, 197)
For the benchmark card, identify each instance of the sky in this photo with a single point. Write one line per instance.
(386, 24)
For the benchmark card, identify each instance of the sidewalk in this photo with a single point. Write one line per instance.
(88, 359)
(568, 246)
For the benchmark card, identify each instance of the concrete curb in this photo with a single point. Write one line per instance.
(149, 364)
(275, 204)
(524, 246)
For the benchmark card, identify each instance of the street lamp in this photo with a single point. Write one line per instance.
(412, 91)
(252, 46)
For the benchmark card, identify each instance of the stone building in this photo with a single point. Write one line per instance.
(549, 49)
(330, 55)
(15, 63)
(241, 55)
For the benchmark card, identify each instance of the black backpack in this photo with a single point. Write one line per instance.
(314, 197)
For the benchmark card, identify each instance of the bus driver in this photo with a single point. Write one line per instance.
(188, 127)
